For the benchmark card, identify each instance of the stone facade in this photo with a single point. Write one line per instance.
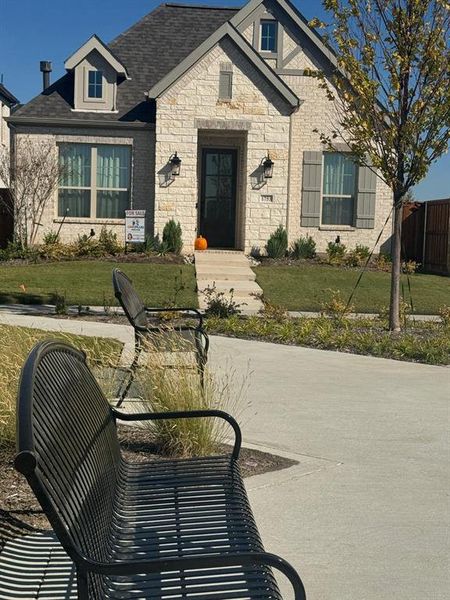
(4, 132)
(142, 176)
(255, 112)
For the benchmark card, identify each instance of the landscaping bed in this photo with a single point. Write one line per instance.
(423, 342)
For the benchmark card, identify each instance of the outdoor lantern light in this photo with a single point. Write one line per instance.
(175, 163)
(268, 167)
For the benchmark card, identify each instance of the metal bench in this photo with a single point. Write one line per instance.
(144, 321)
(178, 529)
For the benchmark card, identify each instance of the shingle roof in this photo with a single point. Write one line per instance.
(7, 97)
(149, 50)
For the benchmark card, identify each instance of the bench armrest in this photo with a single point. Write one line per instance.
(186, 414)
(201, 562)
(195, 312)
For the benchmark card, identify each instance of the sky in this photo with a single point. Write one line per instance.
(34, 30)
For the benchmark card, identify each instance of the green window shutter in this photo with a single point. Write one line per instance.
(311, 189)
(225, 85)
(365, 199)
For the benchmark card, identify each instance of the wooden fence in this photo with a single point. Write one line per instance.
(426, 235)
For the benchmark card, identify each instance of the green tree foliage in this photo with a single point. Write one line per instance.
(391, 88)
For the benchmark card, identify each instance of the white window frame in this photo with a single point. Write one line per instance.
(322, 196)
(93, 187)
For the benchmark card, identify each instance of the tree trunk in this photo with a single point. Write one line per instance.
(394, 306)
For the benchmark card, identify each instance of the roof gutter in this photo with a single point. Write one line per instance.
(46, 121)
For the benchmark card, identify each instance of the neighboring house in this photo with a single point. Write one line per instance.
(228, 92)
(7, 102)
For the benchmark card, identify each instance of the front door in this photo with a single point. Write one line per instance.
(218, 197)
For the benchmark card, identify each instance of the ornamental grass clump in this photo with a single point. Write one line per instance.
(170, 381)
(17, 343)
(304, 247)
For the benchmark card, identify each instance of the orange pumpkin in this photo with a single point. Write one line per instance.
(201, 243)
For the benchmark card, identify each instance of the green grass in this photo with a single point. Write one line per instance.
(90, 282)
(305, 287)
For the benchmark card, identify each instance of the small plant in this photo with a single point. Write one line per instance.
(87, 246)
(335, 306)
(335, 253)
(277, 244)
(383, 262)
(172, 236)
(153, 245)
(59, 300)
(218, 304)
(50, 238)
(14, 250)
(107, 242)
(409, 267)
(272, 311)
(405, 309)
(304, 247)
(444, 313)
(358, 256)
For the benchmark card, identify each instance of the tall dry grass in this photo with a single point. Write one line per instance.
(16, 343)
(170, 381)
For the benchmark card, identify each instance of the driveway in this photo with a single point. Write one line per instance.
(365, 515)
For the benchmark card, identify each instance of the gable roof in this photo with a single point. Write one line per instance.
(226, 30)
(7, 97)
(150, 49)
(95, 43)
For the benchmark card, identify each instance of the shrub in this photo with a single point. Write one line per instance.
(335, 306)
(304, 247)
(358, 256)
(87, 246)
(277, 244)
(107, 242)
(383, 262)
(335, 253)
(14, 250)
(218, 304)
(409, 267)
(153, 245)
(50, 238)
(172, 236)
(444, 313)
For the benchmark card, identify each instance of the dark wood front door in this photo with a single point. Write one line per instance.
(218, 197)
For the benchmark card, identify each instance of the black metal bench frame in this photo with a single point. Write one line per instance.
(40, 459)
(137, 314)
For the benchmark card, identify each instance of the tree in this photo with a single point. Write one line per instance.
(32, 173)
(391, 88)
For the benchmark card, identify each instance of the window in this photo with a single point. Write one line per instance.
(95, 84)
(339, 185)
(268, 36)
(225, 85)
(95, 182)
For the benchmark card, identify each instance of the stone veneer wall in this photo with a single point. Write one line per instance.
(191, 108)
(142, 175)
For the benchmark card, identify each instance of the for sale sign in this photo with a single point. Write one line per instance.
(134, 226)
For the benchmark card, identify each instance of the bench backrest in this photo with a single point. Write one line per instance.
(129, 299)
(68, 446)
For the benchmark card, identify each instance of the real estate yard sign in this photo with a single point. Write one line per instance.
(135, 226)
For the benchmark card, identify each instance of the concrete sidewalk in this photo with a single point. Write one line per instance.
(365, 514)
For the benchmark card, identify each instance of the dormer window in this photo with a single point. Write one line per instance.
(269, 36)
(95, 84)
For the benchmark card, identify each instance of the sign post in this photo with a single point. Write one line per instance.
(134, 226)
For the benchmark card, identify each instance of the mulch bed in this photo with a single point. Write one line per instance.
(18, 501)
(129, 257)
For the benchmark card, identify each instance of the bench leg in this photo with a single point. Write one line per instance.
(123, 391)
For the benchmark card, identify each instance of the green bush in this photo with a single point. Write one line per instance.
(172, 236)
(304, 247)
(108, 243)
(358, 256)
(50, 238)
(218, 304)
(277, 244)
(335, 253)
(14, 250)
(87, 246)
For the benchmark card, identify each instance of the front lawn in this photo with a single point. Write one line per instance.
(90, 283)
(305, 287)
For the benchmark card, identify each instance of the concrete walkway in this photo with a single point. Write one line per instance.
(365, 513)
(226, 270)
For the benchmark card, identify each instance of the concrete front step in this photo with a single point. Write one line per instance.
(241, 287)
(224, 273)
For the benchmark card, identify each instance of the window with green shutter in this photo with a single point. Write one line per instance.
(338, 189)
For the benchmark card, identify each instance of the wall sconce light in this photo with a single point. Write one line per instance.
(267, 167)
(175, 165)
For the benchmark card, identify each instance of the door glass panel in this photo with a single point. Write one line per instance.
(212, 164)
(210, 185)
(226, 164)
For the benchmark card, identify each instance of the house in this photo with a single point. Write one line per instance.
(205, 115)
(7, 103)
